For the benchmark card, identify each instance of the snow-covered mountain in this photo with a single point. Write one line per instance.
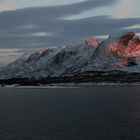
(118, 52)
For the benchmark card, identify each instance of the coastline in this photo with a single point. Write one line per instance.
(68, 85)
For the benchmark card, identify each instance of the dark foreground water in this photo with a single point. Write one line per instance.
(97, 113)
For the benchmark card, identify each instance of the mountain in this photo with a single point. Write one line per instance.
(119, 53)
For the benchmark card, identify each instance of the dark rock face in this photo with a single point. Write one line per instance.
(132, 62)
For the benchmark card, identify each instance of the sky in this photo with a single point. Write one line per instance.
(33, 24)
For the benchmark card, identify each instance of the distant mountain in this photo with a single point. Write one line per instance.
(119, 53)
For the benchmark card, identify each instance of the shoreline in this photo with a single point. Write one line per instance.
(68, 85)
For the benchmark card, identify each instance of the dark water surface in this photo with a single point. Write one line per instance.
(97, 113)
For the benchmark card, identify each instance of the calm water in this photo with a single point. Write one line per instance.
(97, 113)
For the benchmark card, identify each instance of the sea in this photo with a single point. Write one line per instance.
(82, 113)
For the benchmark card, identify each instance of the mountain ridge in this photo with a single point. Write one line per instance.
(115, 53)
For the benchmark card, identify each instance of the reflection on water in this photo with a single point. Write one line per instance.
(94, 113)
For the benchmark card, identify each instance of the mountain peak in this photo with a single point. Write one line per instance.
(127, 45)
(37, 55)
(121, 36)
(127, 37)
(93, 42)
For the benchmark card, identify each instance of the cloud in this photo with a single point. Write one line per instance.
(44, 26)
(9, 55)
(41, 34)
(4, 7)
(31, 15)
(126, 8)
